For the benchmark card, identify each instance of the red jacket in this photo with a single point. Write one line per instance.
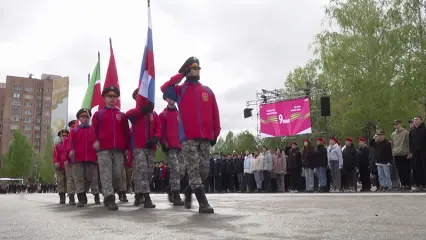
(199, 114)
(111, 129)
(163, 171)
(140, 123)
(169, 119)
(81, 141)
(60, 154)
(67, 144)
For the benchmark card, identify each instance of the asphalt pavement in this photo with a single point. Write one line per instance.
(237, 216)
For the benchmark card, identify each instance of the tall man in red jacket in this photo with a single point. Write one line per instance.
(83, 155)
(170, 142)
(146, 132)
(199, 127)
(112, 131)
(63, 173)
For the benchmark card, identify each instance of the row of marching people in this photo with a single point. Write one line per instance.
(98, 150)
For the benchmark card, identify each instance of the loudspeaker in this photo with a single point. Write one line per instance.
(325, 106)
(247, 112)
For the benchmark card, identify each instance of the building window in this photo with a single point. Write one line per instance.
(28, 135)
(47, 98)
(36, 150)
(16, 117)
(28, 104)
(15, 102)
(37, 136)
(16, 110)
(28, 97)
(40, 90)
(16, 95)
(37, 127)
(48, 105)
(14, 126)
(38, 120)
(27, 112)
(47, 120)
(17, 87)
(46, 113)
(27, 119)
(28, 89)
(28, 127)
(38, 97)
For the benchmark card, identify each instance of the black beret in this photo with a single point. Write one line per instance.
(109, 89)
(84, 110)
(190, 62)
(63, 131)
(71, 123)
(135, 93)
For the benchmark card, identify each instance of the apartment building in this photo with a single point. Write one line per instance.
(2, 104)
(27, 107)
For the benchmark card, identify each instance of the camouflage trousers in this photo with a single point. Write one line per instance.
(143, 162)
(125, 179)
(177, 168)
(110, 170)
(69, 178)
(196, 154)
(61, 181)
(85, 177)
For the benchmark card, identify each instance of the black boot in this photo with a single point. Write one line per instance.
(72, 200)
(170, 196)
(97, 199)
(120, 197)
(138, 197)
(84, 198)
(61, 198)
(110, 202)
(80, 197)
(124, 197)
(177, 201)
(202, 201)
(188, 197)
(148, 203)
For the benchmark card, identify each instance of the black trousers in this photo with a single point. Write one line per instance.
(267, 181)
(403, 166)
(364, 177)
(218, 183)
(295, 178)
(419, 168)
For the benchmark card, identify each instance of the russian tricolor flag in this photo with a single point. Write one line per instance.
(147, 76)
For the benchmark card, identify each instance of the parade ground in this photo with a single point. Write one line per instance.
(237, 216)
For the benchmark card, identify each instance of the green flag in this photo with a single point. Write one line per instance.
(93, 96)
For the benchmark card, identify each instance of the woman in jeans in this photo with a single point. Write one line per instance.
(335, 163)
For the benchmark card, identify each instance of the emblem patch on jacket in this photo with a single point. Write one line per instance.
(118, 117)
(205, 97)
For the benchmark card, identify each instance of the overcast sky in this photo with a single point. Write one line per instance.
(243, 45)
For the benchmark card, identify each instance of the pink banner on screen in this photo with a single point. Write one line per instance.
(286, 118)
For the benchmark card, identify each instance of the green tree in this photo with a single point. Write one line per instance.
(20, 160)
(244, 141)
(45, 165)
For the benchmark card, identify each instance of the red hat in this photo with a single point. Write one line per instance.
(320, 139)
(295, 143)
(361, 139)
(348, 139)
(334, 139)
(307, 140)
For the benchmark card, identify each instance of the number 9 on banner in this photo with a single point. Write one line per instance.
(280, 117)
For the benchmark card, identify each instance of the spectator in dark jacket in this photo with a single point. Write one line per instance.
(294, 167)
(320, 164)
(363, 165)
(308, 165)
(350, 161)
(417, 145)
(383, 155)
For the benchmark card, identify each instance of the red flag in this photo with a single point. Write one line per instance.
(111, 79)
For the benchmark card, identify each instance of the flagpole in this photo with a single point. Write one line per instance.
(149, 3)
(88, 79)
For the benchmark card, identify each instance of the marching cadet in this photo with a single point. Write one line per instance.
(199, 126)
(112, 132)
(83, 155)
(63, 170)
(170, 142)
(145, 135)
